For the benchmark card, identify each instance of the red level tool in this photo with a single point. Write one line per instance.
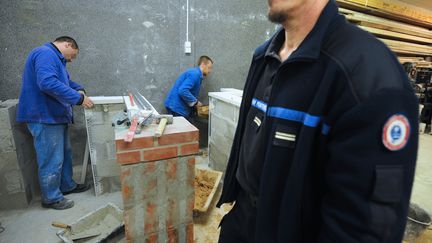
(131, 132)
(131, 98)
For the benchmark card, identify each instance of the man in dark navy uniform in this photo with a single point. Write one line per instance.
(326, 143)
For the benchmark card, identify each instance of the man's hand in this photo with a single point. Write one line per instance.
(198, 104)
(87, 103)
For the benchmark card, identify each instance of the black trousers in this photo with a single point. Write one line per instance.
(238, 225)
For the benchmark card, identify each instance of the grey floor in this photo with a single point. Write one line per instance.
(34, 223)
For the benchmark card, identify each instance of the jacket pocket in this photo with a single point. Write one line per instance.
(285, 136)
(387, 192)
(257, 122)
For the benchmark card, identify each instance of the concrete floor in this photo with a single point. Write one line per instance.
(34, 223)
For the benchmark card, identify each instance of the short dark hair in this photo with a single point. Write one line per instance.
(204, 59)
(67, 39)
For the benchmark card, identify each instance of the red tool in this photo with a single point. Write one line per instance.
(131, 98)
(131, 133)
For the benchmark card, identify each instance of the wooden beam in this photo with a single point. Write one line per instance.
(392, 9)
(408, 48)
(397, 36)
(385, 24)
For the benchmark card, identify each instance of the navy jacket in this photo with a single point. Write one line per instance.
(185, 91)
(47, 93)
(344, 98)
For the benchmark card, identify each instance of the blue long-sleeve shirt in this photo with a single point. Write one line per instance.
(47, 93)
(185, 91)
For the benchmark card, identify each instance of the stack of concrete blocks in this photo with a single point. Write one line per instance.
(157, 177)
(18, 166)
(100, 135)
(223, 119)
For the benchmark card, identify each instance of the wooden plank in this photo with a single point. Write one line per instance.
(386, 24)
(397, 36)
(393, 9)
(408, 48)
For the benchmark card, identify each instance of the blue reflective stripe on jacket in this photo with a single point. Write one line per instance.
(184, 92)
(47, 93)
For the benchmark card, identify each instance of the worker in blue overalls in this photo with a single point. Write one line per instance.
(183, 97)
(45, 104)
(326, 143)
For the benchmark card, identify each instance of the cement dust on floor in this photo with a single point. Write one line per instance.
(206, 225)
(33, 224)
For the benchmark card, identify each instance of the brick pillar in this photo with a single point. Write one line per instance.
(157, 178)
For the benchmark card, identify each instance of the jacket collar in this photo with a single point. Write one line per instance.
(310, 48)
(57, 51)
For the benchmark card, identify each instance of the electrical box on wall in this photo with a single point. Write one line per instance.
(188, 47)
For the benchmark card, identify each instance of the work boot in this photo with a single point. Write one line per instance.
(79, 188)
(60, 205)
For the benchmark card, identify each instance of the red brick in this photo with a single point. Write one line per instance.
(191, 162)
(151, 218)
(128, 225)
(172, 213)
(153, 238)
(126, 190)
(189, 233)
(176, 138)
(172, 235)
(189, 149)
(149, 168)
(160, 153)
(150, 189)
(137, 143)
(191, 172)
(129, 157)
(189, 207)
(171, 169)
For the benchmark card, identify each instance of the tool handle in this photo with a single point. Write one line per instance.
(60, 225)
(160, 129)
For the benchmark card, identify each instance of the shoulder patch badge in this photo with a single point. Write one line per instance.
(396, 132)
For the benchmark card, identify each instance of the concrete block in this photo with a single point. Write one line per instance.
(217, 159)
(18, 166)
(222, 126)
(6, 141)
(223, 143)
(103, 150)
(4, 117)
(226, 110)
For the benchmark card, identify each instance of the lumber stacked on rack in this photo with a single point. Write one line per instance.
(404, 38)
(392, 9)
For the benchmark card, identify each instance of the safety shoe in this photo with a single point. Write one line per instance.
(79, 188)
(60, 205)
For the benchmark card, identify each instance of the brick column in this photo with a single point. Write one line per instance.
(157, 178)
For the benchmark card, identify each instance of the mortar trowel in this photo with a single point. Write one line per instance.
(76, 235)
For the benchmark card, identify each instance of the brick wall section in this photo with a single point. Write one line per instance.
(157, 178)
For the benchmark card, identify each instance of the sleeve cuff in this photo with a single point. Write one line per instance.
(192, 104)
(80, 101)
